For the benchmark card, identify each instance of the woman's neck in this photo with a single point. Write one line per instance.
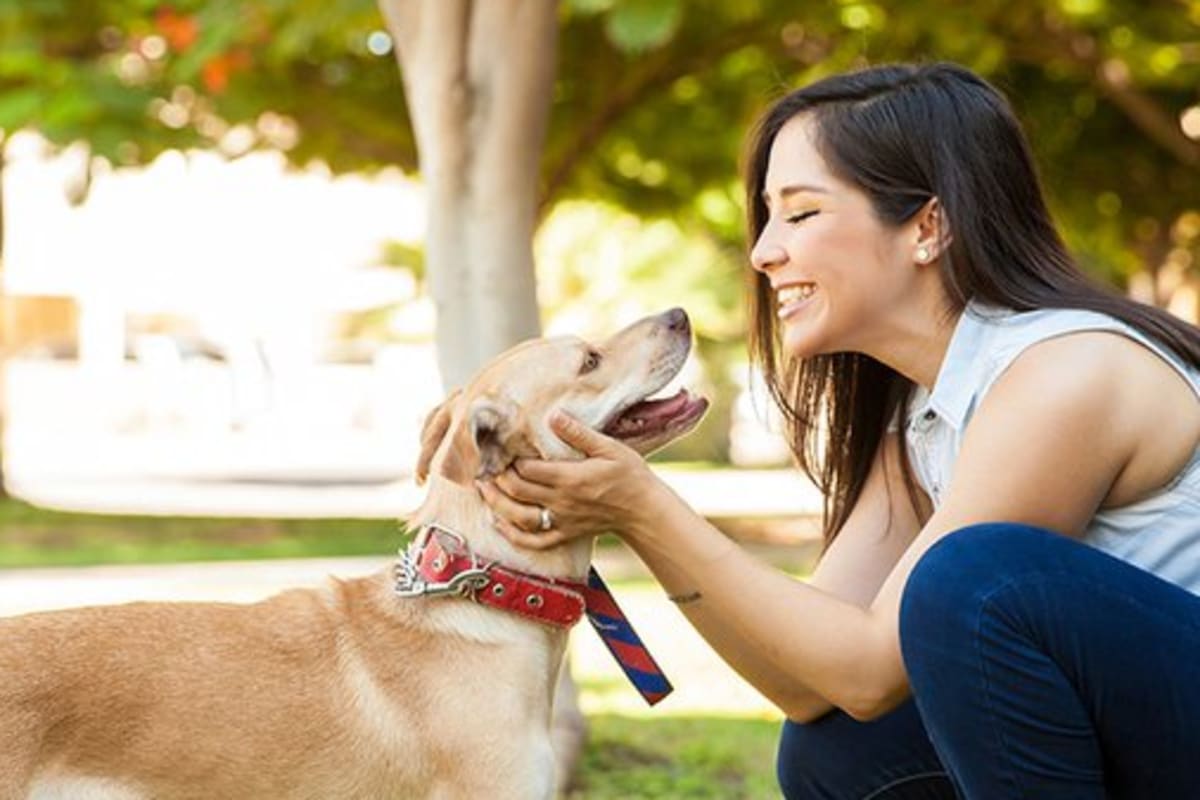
(916, 341)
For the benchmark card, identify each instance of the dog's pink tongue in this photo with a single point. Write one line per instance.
(648, 413)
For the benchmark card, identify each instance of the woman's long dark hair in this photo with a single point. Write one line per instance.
(904, 134)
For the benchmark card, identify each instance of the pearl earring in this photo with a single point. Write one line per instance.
(922, 254)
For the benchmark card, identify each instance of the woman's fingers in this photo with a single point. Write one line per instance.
(587, 441)
(513, 484)
(578, 495)
(551, 477)
(520, 523)
(542, 540)
(528, 517)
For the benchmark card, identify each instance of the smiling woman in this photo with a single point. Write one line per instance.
(831, 261)
(1010, 457)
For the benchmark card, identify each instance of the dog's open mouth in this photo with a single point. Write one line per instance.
(658, 417)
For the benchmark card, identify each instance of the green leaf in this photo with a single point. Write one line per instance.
(586, 7)
(20, 60)
(18, 106)
(639, 25)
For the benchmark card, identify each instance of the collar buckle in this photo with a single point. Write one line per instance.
(411, 583)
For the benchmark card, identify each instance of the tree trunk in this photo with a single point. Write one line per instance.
(478, 75)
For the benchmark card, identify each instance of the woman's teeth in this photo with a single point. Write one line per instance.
(794, 294)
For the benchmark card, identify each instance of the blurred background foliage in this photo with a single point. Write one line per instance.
(640, 200)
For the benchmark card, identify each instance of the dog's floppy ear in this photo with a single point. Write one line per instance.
(483, 441)
(492, 423)
(433, 432)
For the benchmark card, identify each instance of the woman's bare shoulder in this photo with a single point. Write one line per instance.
(1137, 396)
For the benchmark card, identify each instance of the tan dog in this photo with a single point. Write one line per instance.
(347, 691)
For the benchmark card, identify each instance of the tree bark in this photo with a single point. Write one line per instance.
(479, 75)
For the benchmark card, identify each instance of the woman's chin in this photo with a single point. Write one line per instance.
(803, 339)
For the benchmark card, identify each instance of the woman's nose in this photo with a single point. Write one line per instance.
(765, 255)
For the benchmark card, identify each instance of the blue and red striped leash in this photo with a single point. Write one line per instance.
(622, 640)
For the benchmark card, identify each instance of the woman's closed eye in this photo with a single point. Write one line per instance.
(803, 215)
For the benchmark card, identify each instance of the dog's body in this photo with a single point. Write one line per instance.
(346, 691)
(340, 692)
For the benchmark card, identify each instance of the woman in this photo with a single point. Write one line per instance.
(1007, 603)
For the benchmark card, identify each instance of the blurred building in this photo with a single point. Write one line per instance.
(202, 315)
(199, 299)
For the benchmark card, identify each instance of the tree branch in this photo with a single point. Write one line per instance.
(1158, 125)
(1111, 77)
(662, 70)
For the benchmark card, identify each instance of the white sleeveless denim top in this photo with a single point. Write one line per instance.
(1160, 533)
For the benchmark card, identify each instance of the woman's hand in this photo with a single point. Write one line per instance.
(607, 491)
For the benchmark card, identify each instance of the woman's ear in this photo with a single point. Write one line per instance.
(933, 235)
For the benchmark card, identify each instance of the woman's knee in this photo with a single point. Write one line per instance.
(957, 580)
(839, 758)
(970, 563)
(815, 758)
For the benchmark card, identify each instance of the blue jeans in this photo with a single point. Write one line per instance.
(1040, 667)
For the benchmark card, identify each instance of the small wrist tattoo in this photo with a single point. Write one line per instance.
(684, 599)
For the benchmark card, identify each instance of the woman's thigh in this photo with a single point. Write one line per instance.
(839, 758)
(1045, 668)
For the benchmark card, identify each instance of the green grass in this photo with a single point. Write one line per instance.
(689, 466)
(31, 536)
(670, 758)
(37, 537)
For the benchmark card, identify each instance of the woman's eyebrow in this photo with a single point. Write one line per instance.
(791, 189)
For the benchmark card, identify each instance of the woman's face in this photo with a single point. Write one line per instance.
(839, 275)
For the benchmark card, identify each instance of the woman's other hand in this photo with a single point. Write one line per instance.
(607, 491)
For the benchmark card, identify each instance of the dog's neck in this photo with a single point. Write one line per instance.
(461, 508)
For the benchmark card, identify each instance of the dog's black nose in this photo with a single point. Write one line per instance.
(677, 320)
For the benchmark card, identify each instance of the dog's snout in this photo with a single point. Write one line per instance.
(676, 321)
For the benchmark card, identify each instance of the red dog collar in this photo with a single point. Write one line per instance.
(441, 562)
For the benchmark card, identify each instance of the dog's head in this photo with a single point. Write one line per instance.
(504, 412)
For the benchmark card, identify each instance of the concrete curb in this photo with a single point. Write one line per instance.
(713, 493)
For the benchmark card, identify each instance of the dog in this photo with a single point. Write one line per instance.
(395, 685)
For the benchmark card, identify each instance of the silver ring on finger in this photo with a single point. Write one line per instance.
(545, 520)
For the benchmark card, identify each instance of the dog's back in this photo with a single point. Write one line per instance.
(211, 701)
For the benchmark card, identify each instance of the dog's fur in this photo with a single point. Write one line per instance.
(345, 691)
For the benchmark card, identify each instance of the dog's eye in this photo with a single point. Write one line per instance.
(590, 362)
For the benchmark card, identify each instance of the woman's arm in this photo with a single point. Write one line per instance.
(1043, 448)
(879, 529)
